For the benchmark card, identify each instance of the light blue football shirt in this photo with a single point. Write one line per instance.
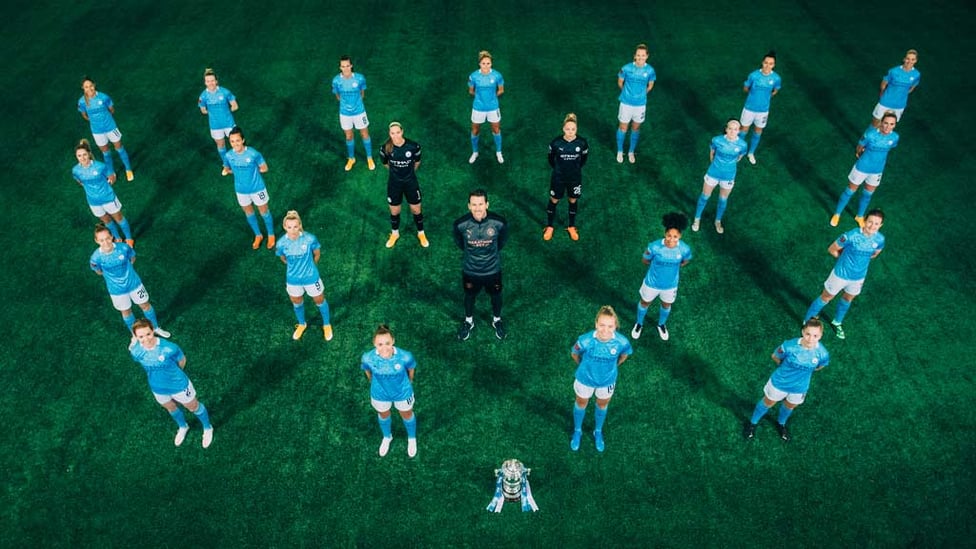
(99, 116)
(162, 366)
(727, 154)
(116, 268)
(900, 83)
(390, 378)
(761, 87)
(218, 107)
(662, 274)
(876, 146)
(797, 364)
(299, 254)
(94, 179)
(636, 79)
(350, 92)
(857, 249)
(598, 359)
(245, 165)
(485, 89)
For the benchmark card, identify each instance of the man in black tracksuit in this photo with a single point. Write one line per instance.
(481, 235)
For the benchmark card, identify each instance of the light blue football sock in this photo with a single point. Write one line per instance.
(754, 142)
(179, 418)
(300, 312)
(129, 321)
(845, 197)
(758, 412)
(641, 313)
(662, 316)
(151, 316)
(784, 414)
(411, 426)
(203, 415)
(578, 415)
(351, 148)
(368, 145)
(600, 415)
(865, 200)
(126, 230)
(498, 141)
(842, 307)
(474, 143)
(114, 229)
(720, 209)
(125, 158)
(634, 136)
(700, 207)
(620, 140)
(386, 425)
(324, 311)
(222, 153)
(252, 220)
(107, 155)
(268, 222)
(815, 308)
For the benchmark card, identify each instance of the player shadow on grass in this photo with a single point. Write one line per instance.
(806, 175)
(699, 376)
(758, 263)
(821, 96)
(257, 377)
(199, 279)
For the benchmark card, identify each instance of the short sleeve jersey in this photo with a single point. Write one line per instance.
(350, 92)
(598, 359)
(636, 79)
(761, 87)
(727, 154)
(97, 109)
(567, 158)
(402, 161)
(482, 242)
(900, 84)
(300, 258)
(217, 104)
(876, 146)
(245, 165)
(390, 378)
(796, 366)
(857, 249)
(162, 366)
(665, 267)
(485, 89)
(116, 268)
(94, 179)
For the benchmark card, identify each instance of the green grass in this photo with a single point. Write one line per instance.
(883, 448)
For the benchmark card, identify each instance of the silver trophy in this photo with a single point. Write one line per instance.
(512, 484)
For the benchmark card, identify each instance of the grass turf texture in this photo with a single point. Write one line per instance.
(882, 450)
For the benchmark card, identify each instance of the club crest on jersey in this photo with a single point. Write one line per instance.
(490, 231)
(161, 357)
(304, 247)
(408, 154)
(397, 367)
(577, 149)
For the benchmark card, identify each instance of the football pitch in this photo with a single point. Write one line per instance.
(883, 448)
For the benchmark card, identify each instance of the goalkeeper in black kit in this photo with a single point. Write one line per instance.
(481, 235)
